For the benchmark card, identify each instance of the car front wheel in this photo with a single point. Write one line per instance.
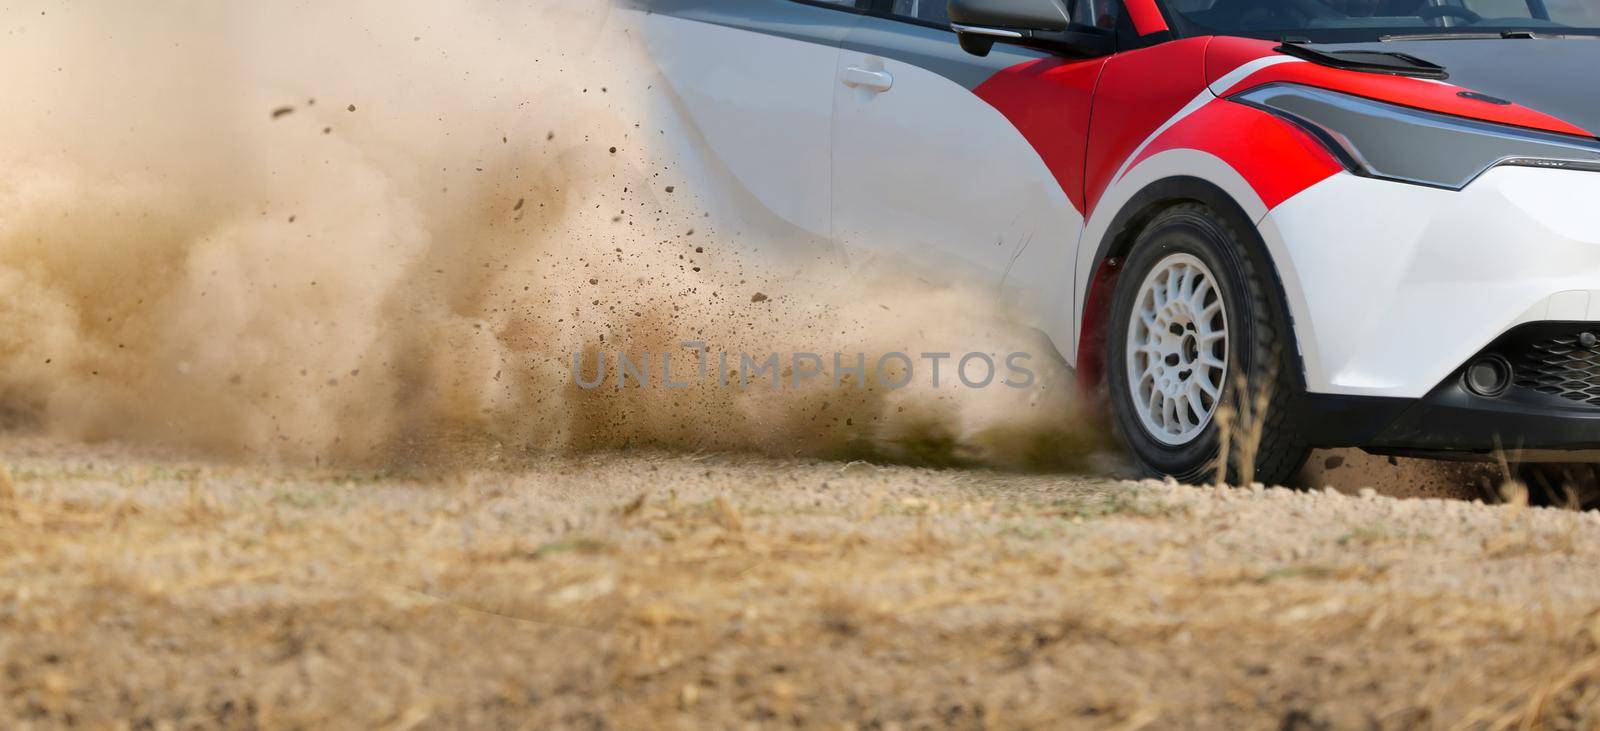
(1199, 360)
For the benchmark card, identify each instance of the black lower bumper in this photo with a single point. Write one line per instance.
(1445, 423)
(1552, 404)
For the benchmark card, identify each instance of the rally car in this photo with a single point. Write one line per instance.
(1353, 223)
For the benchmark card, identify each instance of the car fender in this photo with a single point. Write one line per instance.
(1161, 180)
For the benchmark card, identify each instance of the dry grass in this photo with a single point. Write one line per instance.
(144, 591)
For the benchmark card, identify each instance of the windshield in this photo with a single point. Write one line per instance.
(1347, 21)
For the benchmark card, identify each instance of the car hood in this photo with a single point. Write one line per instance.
(1559, 77)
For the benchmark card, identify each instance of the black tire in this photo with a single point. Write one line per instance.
(1259, 346)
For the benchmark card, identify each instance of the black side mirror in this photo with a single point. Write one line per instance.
(1042, 24)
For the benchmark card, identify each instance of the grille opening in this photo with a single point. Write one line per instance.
(1565, 365)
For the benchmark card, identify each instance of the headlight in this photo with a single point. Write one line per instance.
(1393, 142)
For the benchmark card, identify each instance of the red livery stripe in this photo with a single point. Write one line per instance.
(1049, 102)
(1276, 158)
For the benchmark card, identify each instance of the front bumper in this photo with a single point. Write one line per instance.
(1549, 410)
(1393, 286)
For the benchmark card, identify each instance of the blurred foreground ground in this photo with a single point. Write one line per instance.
(153, 591)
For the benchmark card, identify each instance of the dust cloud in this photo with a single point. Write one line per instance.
(379, 230)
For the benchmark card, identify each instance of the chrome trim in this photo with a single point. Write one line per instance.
(1550, 163)
(981, 31)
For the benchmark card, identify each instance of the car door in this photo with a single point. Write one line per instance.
(930, 163)
(754, 78)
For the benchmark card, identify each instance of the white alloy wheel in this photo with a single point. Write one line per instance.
(1177, 349)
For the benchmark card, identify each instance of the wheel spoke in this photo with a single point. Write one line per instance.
(1179, 314)
(1185, 410)
(1150, 321)
(1192, 279)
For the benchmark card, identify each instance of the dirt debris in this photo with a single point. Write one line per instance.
(1350, 470)
(155, 262)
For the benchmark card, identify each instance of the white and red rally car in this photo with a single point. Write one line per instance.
(1384, 215)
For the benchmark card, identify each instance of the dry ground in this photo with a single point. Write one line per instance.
(149, 590)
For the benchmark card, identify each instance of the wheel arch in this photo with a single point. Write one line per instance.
(1118, 240)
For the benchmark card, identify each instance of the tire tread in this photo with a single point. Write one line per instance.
(1282, 449)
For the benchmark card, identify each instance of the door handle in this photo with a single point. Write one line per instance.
(878, 81)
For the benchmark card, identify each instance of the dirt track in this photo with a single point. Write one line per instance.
(709, 591)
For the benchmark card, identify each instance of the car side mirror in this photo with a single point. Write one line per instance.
(1042, 24)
